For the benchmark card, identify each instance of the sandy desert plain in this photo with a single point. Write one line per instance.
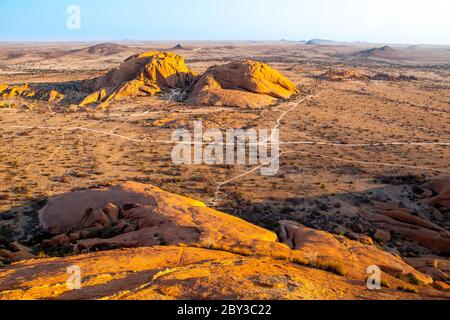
(363, 179)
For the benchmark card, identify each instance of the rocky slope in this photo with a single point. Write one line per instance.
(165, 246)
(241, 84)
(143, 74)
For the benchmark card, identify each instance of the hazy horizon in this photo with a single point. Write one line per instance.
(382, 21)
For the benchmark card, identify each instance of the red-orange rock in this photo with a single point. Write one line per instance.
(439, 285)
(353, 256)
(241, 84)
(207, 254)
(145, 74)
(402, 222)
(55, 96)
(17, 91)
(436, 267)
(152, 216)
(442, 188)
(161, 273)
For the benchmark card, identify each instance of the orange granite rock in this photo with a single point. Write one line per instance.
(144, 74)
(241, 84)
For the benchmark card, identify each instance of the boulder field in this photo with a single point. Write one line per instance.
(136, 241)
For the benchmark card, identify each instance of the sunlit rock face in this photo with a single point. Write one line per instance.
(144, 74)
(353, 257)
(241, 84)
(134, 214)
(136, 241)
(174, 272)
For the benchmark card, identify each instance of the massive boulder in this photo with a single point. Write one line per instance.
(345, 255)
(241, 84)
(135, 215)
(144, 74)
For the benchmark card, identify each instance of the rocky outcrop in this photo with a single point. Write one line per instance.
(94, 97)
(161, 273)
(102, 49)
(145, 74)
(7, 105)
(350, 74)
(402, 222)
(134, 215)
(436, 267)
(23, 91)
(343, 74)
(28, 92)
(238, 84)
(136, 241)
(15, 252)
(54, 96)
(241, 84)
(3, 87)
(441, 197)
(344, 255)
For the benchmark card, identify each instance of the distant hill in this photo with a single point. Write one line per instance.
(321, 42)
(385, 52)
(103, 49)
(178, 47)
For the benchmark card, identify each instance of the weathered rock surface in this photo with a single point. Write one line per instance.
(403, 222)
(150, 216)
(382, 236)
(162, 273)
(353, 257)
(436, 267)
(441, 199)
(28, 92)
(54, 96)
(241, 84)
(145, 74)
(24, 91)
(193, 252)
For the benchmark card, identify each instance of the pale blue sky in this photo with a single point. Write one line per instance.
(393, 21)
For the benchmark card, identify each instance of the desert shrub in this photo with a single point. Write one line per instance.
(6, 233)
(332, 266)
(413, 279)
(61, 251)
(407, 289)
(324, 264)
(410, 278)
(385, 284)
